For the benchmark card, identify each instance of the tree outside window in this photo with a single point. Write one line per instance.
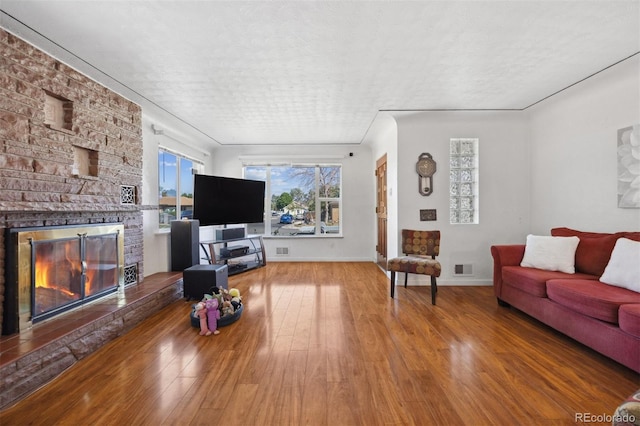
(299, 195)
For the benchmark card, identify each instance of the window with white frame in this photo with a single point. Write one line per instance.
(175, 186)
(463, 181)
(302, 200)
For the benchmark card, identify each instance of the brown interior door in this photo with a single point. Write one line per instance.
(381, 210)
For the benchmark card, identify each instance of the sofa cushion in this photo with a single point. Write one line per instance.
(623, 269)
(591, 298)
(550, 253)
(534, 281)
(594, 249)
(629, 319)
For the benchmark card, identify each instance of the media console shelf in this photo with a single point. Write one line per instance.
(239, 254)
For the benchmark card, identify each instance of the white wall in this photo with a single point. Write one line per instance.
(156, 244)
(504, 185)
(383, 139)
(573, 152)
(358, 200)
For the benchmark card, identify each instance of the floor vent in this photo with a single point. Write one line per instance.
(463, 269)
(282, 251)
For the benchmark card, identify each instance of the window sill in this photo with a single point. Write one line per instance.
(300, 237)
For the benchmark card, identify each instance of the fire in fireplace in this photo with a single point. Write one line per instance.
(50, 270)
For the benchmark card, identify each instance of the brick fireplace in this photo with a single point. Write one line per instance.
(70, 152)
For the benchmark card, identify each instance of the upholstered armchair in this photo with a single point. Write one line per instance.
(420, 249)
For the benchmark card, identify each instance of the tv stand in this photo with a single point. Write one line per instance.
(239, 254)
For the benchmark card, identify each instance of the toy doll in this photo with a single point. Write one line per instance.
(213, 315)
(201, 312)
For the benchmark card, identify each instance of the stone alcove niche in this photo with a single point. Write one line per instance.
(58, 112)
(85, 162)
(58, 115)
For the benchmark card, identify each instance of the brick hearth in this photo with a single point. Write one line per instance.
(32, 358)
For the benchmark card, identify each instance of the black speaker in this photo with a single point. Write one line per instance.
(199, 279)
(185, 244)
(229, 233)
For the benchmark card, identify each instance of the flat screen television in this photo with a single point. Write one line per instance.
(221, 200)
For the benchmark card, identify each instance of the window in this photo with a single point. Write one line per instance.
(463, 181)
(304, 200)
(175, 186)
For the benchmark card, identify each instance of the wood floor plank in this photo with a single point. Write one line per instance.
(342, 408)
(315, 406)
(324, 344)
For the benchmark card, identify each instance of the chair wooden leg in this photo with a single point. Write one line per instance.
(434, 290)
(406, 277)
(393, 283)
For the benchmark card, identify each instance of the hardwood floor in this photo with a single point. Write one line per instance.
(324, 344)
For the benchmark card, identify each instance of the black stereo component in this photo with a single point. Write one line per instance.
(229, 233)
(237, 267)
(233, 251)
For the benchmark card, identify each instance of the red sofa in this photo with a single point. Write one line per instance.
(604, 317)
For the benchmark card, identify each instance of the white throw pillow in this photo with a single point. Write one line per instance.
(623, 269)
(551, 253)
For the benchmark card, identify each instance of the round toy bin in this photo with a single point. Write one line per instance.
(195, 321)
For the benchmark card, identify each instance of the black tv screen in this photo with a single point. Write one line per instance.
(223, 201)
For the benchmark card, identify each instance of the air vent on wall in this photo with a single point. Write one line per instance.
(282, 251)
(463, 269)
(127, 194)
(131, 274)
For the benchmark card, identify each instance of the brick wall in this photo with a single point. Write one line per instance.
(39, 179)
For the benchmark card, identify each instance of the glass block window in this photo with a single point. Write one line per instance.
(463, 181)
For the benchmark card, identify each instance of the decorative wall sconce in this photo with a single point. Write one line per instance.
(426, 167)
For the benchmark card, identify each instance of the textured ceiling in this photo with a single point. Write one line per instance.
(301, 72)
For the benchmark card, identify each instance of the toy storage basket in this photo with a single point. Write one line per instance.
(230, 319)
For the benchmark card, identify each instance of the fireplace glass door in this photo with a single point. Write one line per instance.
(68, 270)
(57, 274)
(102, 273)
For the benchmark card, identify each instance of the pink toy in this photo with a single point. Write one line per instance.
(201, 312)
(213, 315)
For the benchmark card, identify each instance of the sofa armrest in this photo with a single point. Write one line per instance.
(504, 255)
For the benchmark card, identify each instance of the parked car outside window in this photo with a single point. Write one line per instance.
(286, 218)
